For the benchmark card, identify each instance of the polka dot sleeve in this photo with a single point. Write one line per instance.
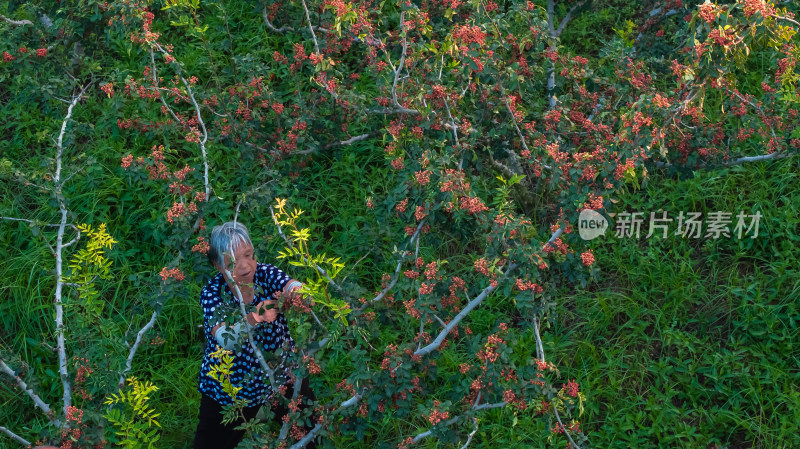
(210, 301)
(270, 278)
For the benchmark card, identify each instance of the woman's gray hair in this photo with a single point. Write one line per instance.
(225, 238)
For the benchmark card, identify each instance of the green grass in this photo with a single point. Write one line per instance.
(685, 343)
(680, 344)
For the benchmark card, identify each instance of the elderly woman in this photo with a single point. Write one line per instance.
(269, 328)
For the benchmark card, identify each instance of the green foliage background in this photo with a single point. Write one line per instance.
(680, 344)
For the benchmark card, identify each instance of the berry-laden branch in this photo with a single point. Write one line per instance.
(467, 309)
(516, 126)
(201, 140)
(555, 409)
(379, 296)
(270, 25)
(155, 85)
(555, 34)
(357, 396)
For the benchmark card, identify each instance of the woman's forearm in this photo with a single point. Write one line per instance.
(251, 320)
(292, 285)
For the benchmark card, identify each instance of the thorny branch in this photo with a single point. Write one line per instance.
(29, 391)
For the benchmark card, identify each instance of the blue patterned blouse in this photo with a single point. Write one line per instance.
(247, 372)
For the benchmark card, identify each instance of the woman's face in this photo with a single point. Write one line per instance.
(245, 264)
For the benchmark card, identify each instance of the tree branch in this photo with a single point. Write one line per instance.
(763, 157)
(15, 437)
(269, 24)
(555, 409)
(58, 183)
(468, 308)
(160, 95)
(556, 34)
(349, 141)
(16, 22)
(567, 18)
(295, 393)
(787, 19)
(452, 122)
(451, 421)
(471, 434)
(401, 109)
(33, 222)
(135, 347)
(29, 391)
(353, 400)
(763, 114)
(514, 119)
(396, 276)
(204, 138)
(149, 325)
(311, 27)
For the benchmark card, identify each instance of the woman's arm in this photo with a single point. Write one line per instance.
(252, 319)
(288, 290)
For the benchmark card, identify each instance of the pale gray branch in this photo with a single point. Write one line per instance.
(155, 84)
(451, 421)
(15, 437)
(311, 27)
(135, 347)
(490, 406)
(516, 127)
(471, 434)
(57, 182)
(566, 431)
(34, 222)
(396, 276)
(468, 308)
(29, 391)
(60, 142)
(204, 138)
(398, 107)
(16, 22)
(555, 409)
(568, 17)
(763, 157)
(272, 27)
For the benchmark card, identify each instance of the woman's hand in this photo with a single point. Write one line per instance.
(266, 311)
(288, 295)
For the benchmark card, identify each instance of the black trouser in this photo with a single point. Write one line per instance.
(213, 434)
